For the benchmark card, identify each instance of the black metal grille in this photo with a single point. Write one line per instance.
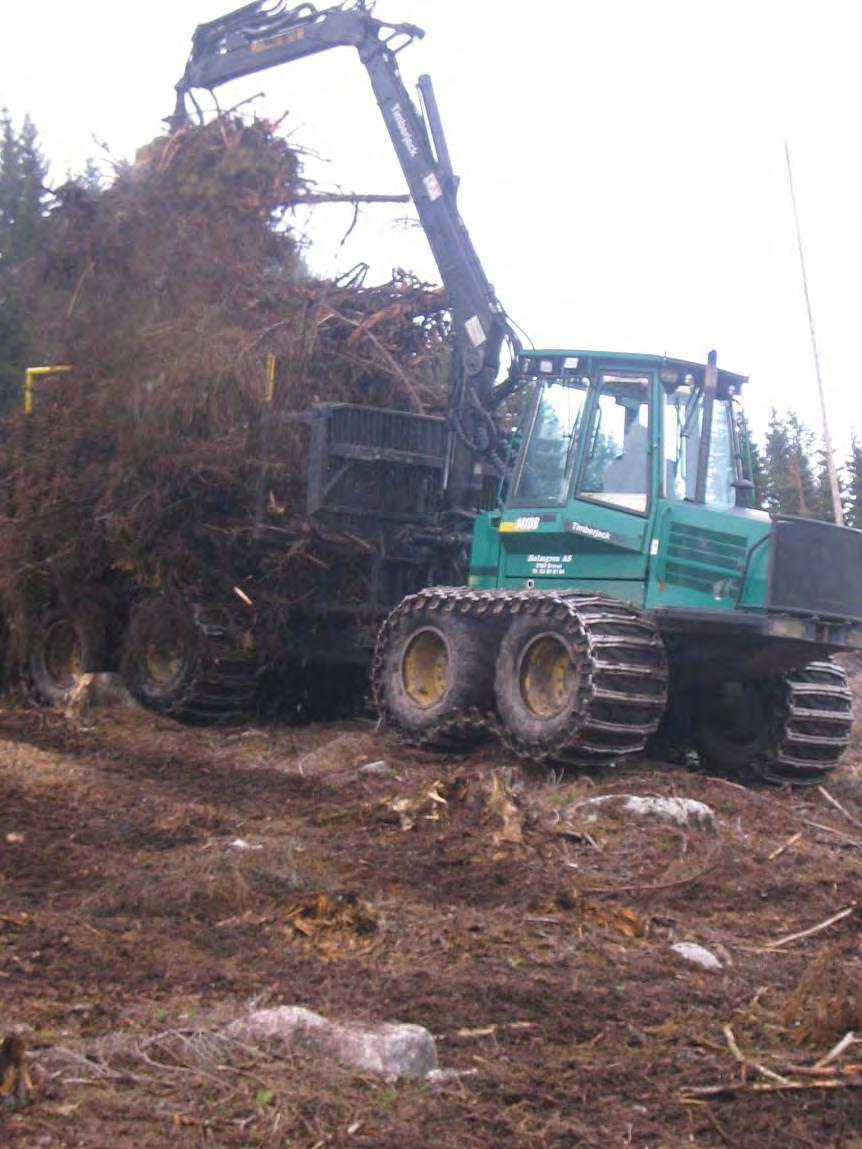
(367, 461)
(816, 569)
(392, 430)
(698, 557)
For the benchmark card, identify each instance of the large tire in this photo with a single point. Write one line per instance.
(580, 679)
(788, 730)
(434, 671)
(811, 726)
(733, 726)
(186, 663)
(63, 645)
(543, 680)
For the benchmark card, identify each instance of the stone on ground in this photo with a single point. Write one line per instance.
(675, 811)
(392, 1050)
(701, 956)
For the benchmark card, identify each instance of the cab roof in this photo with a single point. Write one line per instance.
(589, 361)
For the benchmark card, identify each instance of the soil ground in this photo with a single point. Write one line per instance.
(467, 895)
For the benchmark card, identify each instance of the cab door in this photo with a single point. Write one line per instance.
(600, 537)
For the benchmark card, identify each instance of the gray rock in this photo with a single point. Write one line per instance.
(389, 1049)
(693, 952)
(380, 768)
(242, 846)
(440, 1078)
(675, 811)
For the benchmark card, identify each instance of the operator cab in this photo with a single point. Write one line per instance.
(630, 477)
(624, 430)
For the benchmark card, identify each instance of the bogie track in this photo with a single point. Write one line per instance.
(602, 673)
(811, 727)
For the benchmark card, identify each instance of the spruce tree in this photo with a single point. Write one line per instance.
(802, 473)
(778, 486)
(854, 485)
(22, 190)
(9, 170)
(22, 212)
(91, 178)
(752, 453)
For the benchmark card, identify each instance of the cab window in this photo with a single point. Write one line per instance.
(682, 430)
(616, 471)
(549, 456)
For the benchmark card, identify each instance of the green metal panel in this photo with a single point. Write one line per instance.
(581, 541)
(485, 552)
(703, 558)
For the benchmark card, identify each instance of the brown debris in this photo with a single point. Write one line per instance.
(333, 922)
(167, 293)
(16, 1084)
(827, 1002)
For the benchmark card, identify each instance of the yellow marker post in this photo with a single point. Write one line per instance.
(269, 394)
(30, 377)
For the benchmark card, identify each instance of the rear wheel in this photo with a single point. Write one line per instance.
(811, 727)
(188, 662)
(787, 730)
(63, 646)
(580, 679)
(433, 671)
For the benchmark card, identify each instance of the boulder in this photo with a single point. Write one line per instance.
(686, 812)
(698, 954)
(392, 1050)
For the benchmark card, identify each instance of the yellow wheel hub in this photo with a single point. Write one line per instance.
(164, 660)
(548, 677)
(63, 655)
(425, 668)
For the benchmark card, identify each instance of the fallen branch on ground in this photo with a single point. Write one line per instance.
(812, 929)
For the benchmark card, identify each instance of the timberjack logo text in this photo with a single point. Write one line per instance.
(590, 532)
(404, 130)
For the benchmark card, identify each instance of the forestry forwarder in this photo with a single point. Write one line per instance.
(618, 577)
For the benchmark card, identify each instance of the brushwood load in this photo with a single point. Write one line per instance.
(156, 492)
(261, 469)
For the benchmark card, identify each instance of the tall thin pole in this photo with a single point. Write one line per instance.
(827, 438)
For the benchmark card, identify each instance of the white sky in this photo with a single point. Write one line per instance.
(622, 162)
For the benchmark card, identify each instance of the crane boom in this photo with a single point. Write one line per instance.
(259, 36)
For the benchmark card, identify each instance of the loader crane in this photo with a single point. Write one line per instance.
(260, 36)
(600, 580)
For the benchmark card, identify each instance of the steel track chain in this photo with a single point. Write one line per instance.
(223, 688)
(624, 685)
(814, 726)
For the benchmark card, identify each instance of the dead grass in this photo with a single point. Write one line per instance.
(210, 883)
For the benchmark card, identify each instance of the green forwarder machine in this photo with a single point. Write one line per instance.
(619, 579)
(626, 585)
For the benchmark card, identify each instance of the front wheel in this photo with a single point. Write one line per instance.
(433, 671)
(580, 679)
(733, 727)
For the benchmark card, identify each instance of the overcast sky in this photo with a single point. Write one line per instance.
(622, 163)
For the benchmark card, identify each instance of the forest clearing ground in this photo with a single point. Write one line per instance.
(463, 894)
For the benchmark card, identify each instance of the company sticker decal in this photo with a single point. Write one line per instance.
(548, 564)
